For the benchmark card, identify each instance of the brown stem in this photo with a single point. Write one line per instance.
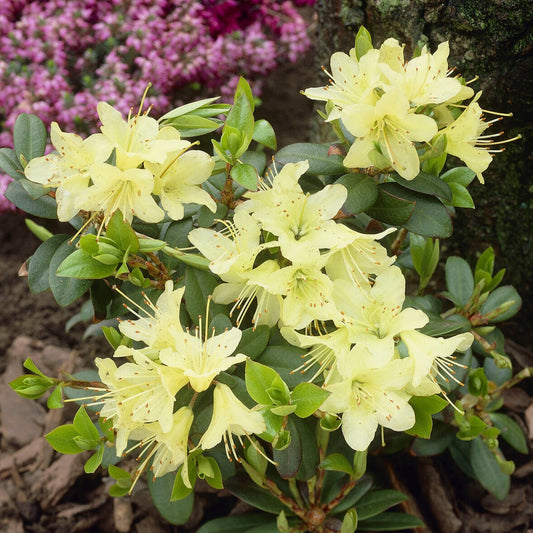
(346, 488)
(397, 244)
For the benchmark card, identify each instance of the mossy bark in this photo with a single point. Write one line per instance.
(492, 39)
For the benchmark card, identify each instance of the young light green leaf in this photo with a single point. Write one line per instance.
(510, 431)
(308, 398)
(94, 461)
(62, 439)
(264, 134)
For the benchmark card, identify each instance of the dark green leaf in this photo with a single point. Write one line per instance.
(441, 436)
(510, 431)
(246, 490)
(65, 290)
(390, 522)
(10, 164)
(253, 342)
(430, 218)
(438, 328)
(317, 156)
(375, 502)
(38, 270)
(255, 159)
(240, 524)
(198, 286)
(426, 184)
(176, 513)
(44, 207)
(459, 279)
(487, 469)
(29, 136)
(284, 359)
(362, 192)
(391, 209)
(502, 296)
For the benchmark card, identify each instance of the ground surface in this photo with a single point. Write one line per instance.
(43, 492)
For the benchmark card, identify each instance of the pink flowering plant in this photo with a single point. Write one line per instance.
(262, 334)
(59, 58)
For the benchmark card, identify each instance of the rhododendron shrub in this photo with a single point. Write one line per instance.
(262, 334)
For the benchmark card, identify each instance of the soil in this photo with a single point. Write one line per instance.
(42, 492)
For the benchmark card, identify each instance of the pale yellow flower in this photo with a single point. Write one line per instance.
(137, 139)
(178, 179)
(230, 417)
(369, 396)
(201, 361)
(68, 170)
(129, 191)
(393, 127)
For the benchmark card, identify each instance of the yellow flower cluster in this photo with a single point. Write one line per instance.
(397, 109)
(121, 168)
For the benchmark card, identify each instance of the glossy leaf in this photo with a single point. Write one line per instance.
(10, 164)
(245, 175)
(390, 522)
(424, 407)
(487, 469)
(240, 524)
(66, 290)
(38, 270)
(430, 218)
(29, 136)
(62, 439)
(510, 431)
(502, 296)
(254, 341)
(391, 209)
(122, 234)
(44, 207)
(316, 155)
(264, 134)
(177, 512)
(198, 286)
(362, 192)
(459, 279)
(308, 398)
(337, 462)
(426, 184)
(440, 438)
(246, 490)
(375, 502)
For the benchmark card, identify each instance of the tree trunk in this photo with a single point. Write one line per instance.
(492, 39)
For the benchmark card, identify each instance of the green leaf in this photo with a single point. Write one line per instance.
(55, 400)
(510, 431)
(338, 463)
(10, 164)
(181, 491)
(121, 232)
(375, 502)
(308, 398)
(441, 436)
(245, 175)
(391, 209)
(290, 458)
(426, 184)
(487, 469)
(241, 116)
(246, 490)
(502, 304)
(430, 218)
(81, 265)
(84, 425)
(459, 279)
(44, 207)
(264, 134)
(254, 341)
(255, 159)
(362, 486)
(206, 217)
(198, 286)
(94, 461)
(62, 439)
(424, 407)
(363, 42)
(260, 379)
(31, 387)
(239, 524)
(317, 156)
(425, 255)
(284, 359)
(29, 137)
(65, 290)
(38, 270)
(460, 196)
(362, 192)
(390, 522)
(349, 522)
(176, 513)
(188, 108)
(194, 126)
(460, 175)
(35, 190)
